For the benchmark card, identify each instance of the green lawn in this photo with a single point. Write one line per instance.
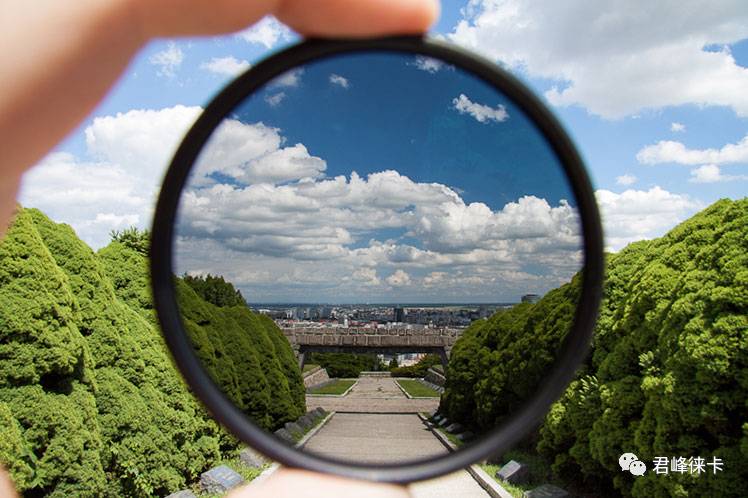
(309, 366)
(417, 389)
(338, 386)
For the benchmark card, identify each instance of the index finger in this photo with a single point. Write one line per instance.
(354, 18)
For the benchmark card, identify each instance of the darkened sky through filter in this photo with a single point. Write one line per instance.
(379, 177)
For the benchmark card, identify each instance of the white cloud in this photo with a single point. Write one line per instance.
(254, 153)
(267, 32)
(115, 186)
(225, 66)
(283, 227)
(336, 79)
(428, 64)
(140, 141)
(290, 78)
(668, 151)
(641, 214)
(398, 279)
(368, 276)
(677, 127)
(282, 165)
(326, 229)
(480, 112)
(616, 58)
(626, 179)
(168, 60)
(435, 278)
(711, 173)
(275, 99)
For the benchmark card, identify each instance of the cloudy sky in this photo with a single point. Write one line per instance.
(654, 94)
(379, 178)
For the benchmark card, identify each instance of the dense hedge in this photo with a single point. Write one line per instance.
(346, 365)
(90, 404)
(667, 374)
(419, 369)
(499, 362)
(247, 356)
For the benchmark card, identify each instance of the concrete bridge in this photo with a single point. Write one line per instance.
(395, 340)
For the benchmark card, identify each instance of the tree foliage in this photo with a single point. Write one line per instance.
(346, 365)
(215, 290)
(667, 374)
(500, 362)
(133, 238)
(418, 370)
(90, 404)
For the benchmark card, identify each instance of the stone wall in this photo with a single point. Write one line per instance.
(394, 337)
(315, 376)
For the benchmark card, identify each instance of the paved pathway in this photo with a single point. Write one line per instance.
(387, 437)
(373, 395)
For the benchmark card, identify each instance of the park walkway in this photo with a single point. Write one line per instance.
(386, 435)
(373, 395)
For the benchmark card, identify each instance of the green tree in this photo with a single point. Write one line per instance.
(133, 238)
(215, 290)
(419, 369)
(46, 381)
(90, 404)
(667, 374)
(345, 365)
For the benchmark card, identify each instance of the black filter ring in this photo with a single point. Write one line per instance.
(571, 353)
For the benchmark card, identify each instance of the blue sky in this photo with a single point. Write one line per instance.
(654, 97)
(380, 177)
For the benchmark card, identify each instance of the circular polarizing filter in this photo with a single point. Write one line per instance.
(377, 258)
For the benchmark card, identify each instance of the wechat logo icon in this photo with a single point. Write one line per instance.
(630, 462)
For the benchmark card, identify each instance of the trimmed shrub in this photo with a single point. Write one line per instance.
(90, 404)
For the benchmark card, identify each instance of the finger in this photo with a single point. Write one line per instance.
(358, 18)
(287, 483)
(6, 486)
(166, 18)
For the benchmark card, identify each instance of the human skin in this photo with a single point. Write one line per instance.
(61, 57)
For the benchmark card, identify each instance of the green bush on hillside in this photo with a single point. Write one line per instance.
(667, 374)
(90, 404)
(239, 352)
(500, 362)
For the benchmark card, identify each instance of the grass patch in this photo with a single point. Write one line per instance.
(308, 367)
(338, 386)
(417, 389)
(540, 471)
(513, 489)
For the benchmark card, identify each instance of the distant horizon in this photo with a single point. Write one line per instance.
(395, 304)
